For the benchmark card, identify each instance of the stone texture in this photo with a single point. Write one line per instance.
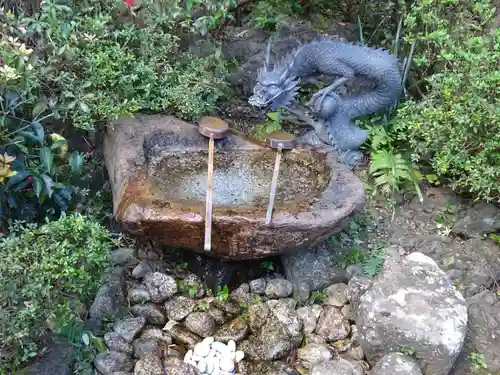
(110, 296)
(151, 312)
(314, 353)
(396, 364)
(149, 365)
(314, 267)
(179, 307)
(129, 328)
(336, 367)
(478, 220)
(200, 323)
(139, 151)
(332, 325)
(278, 288)
(160, 286)
(412, 304)
(109, 363)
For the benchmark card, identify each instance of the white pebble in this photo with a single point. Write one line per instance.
(226, 364)
(191, 362)
(239, 356)
(210, 366)
(220, 347)
(201, 349)
(196, 358)
(208, 340)
(231, 345)
(188, 356)
(202, 366)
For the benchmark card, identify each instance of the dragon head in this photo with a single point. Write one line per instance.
(275, 87)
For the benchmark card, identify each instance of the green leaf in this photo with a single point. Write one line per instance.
(39, 108)
(37, 185)
(39, 131)
(57, 144)
(84, 107)
(46, 158)
(75, 162)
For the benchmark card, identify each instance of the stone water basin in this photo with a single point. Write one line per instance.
(158, 171)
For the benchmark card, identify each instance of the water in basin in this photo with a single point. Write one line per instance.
(240, 178)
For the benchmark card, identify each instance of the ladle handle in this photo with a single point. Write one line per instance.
(274, 184)
(208, 211)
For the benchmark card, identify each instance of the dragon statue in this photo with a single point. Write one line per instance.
(332, 115)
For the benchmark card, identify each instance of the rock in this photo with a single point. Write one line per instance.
(217, 314)
(201, 324)
(116, 343)
(348, 312)
(258, 286)
(308, 317)
(142, 157)
(179, 307)
(129, 328)
(289, 319)
(271, 343)
(314, 338)
(355, 289)
(396, 364)
(149, 365)
(160, 286)
(332, 325)
(108, 363)
(315, 268)
(193, 282)
(144, 267)
(266, 368)
(109, 298)
(336, 295)
(337, 367)
(484, 328)
(236, 330)
(411, 303)
(157, 334)
(123, 256)
(146, 346)
(151, 312)
(175, 366)
(257, 316)
(302, 291)
(183, 335)
(57, 360)
(278, 288)
(481, 219)
(312, 354)
(138, 294)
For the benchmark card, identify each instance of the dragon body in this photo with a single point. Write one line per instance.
(277, 86)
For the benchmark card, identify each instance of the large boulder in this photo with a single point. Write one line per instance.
(412, 306)
(158, 171)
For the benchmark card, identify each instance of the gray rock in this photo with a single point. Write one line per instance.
(179, 307)
(309, 318)
(236, 330)
(481, 219)
(266, 368)
(313, 267)
(193, 282)
(182, 335)
(138, 294)
(396, 364)
(149, 365)
(151, 312)
(355, 288)
(217, 314)
(313, 353)
(176, 366)
(160, 286)
(336, 367)
(157, 334)
(129, 328)
(123, 256)
(332, 325)
(273, 342)
(116, 343)
(258, 286)
(348, 312)
(302, 291)
(336, 295)
(109, 363)
(289, 319)
(200, 323)
(110, 297)
(412, 304)
(257, 316)
(146, 346)
(57, 360)
(278, 288)
(144, 267)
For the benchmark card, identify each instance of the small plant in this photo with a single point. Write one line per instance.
(48, 274)
(317, 296)
(478, 364)
(222, 293)
(268, 265)
(182, 266)
(408, 350)
(272, 125)
(370, 261)
(202, 306)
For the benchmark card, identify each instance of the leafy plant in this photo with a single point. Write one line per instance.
(48, 275)
(370, 261)
(273, 124)
(222, 293)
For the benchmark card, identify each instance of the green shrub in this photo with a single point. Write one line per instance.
(48, 274)
(456, 124)
(90, 64)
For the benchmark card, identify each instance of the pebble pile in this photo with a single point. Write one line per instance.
(214, 357)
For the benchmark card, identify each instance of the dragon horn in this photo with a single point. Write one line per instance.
(267, 62)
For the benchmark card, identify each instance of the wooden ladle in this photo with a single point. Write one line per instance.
(279, 141)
